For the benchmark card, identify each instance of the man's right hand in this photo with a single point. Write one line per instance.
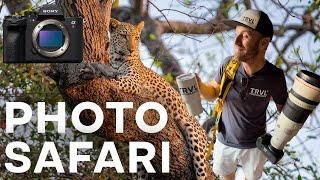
(208, 91)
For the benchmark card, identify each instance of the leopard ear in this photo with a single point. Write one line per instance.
(140, 26)
(114, 23)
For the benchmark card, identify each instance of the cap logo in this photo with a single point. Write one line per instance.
(248, 20)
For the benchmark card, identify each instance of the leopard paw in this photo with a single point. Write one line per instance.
(87, 72)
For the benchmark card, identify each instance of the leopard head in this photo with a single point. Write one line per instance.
(125, 37)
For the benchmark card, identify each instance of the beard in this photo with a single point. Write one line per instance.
(246, 54)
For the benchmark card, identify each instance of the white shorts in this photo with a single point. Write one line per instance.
(226, 159)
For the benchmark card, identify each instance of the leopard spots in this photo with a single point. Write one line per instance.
(124, 50)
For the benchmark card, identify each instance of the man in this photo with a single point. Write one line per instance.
(244, 110)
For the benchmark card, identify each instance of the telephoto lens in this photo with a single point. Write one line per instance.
(303, 99)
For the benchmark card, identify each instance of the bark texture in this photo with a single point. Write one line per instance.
(100, 91)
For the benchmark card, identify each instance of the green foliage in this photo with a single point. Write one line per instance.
(228, 6)
(27, 83)
(115, 4)
(29, 7)
(157, 63)
(279, 61)
(236, 6)
(311, 137)
(290, 167)
(314, 5)
(152, 37)
(169, 77)
(314, 66)
(187, 2)
(220, 38)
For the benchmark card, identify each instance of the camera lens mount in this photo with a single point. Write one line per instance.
(60, 26)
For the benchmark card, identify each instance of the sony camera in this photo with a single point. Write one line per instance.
(46, 36)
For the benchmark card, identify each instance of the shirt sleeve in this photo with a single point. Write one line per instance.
(280, 92)
(221, 68)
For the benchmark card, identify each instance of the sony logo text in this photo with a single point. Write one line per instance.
(50, 11)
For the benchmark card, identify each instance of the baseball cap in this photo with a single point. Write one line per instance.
(254, 19)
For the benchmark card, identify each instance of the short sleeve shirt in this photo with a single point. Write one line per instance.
(244, 110)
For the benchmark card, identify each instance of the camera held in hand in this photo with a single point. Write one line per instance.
(46, 36)
(303, 98)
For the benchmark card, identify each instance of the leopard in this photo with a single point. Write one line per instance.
(133, 77)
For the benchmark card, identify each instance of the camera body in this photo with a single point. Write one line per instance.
(46, 36)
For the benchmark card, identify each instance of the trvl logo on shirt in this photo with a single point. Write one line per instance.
(189, 90)
(258, 92)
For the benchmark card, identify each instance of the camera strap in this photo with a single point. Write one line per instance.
(226, 82)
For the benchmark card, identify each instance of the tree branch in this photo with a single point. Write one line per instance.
(220, 11)
(193, 28)
(155, 46)
(17, 6)
(291, 40)
(247, 3)
(138, 6)
(156, 28)
(290, 12)
(101, 90)
(296, 27)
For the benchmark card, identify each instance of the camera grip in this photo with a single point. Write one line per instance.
(14, 47)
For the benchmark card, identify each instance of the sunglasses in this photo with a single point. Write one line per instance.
(244, 88)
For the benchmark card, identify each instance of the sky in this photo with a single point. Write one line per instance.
(210, 45)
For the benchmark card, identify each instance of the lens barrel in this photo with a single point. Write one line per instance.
(303, 99)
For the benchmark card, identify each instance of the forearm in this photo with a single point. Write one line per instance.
(208, 91)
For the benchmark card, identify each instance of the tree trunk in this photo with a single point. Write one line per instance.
(100, 91)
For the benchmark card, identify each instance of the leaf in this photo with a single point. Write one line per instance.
(50, 126)
(152, 37)
(297, 50)
(220, 38)
(157, 63)
(236, 6)
(314, 67)
(318, 59)
(299, 177)
(316, 38)
(279, 61)
(168, 77)
(187, 2)
(115, 4)
(226, 8)
(311, 137)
